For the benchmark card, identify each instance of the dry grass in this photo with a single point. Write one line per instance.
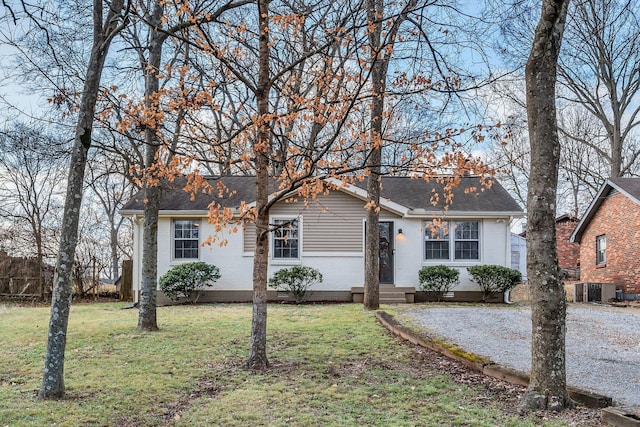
(331, 365)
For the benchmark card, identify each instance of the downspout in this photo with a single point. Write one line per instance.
(508, 257)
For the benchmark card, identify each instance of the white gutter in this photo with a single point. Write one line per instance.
(421, 213)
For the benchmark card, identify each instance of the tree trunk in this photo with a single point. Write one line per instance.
(374, 158)
(40, 258)
(147, 319)
(115, 267)
(547, 387)
(258, 351)
(375, 11)
(53, 378)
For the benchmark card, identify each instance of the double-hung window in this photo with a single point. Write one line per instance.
(437, 241)
(467, 240)
(286, 239)
(601, 249)
(186, 240)
(452, 241)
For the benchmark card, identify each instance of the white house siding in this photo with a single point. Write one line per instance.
(495, 248)
(332, 223)
(341, 269)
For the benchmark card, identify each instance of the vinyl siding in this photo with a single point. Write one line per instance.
(249, 242)
(333, 223)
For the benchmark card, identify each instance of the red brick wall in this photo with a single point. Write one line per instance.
(568, 253)
(619, 219)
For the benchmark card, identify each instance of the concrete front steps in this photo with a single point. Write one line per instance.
(389, 294)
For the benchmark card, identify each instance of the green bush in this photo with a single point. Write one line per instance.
(187, 280)
(438, 279)
(296, 281)
(494, 279)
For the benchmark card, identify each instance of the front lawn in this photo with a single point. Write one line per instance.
(331, 365)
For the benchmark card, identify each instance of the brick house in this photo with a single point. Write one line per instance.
(608, 235)
(568, 252)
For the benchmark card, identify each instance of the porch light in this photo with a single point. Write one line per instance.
(400, 232)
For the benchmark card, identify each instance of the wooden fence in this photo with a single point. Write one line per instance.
(20, 286)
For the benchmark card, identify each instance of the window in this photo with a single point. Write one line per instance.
(186, 241)
(601, 249)
(463, 242)
(437, 242)
(285, 239)
(467, 241)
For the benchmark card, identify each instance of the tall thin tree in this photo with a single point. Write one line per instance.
(105, 28)
(381, 46)
(547, 387)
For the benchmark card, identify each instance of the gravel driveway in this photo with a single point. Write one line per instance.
(603, 343)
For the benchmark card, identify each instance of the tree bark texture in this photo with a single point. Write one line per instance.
(258, 351)
(53, 378)
(547, 387)
(375, 10)
(147, 319)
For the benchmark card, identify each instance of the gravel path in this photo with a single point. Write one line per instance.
(603, 343)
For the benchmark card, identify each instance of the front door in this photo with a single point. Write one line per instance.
(386, 252)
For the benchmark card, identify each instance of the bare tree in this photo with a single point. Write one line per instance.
(110, 186)
(381, 46)
(547, 387)
(105, 28)
(582, 170)
(599, 70)
(30, 189)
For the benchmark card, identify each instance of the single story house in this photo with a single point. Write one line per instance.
(608, 235)
(328, 234)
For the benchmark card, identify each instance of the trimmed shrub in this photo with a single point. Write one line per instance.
(438, 279)
(187, 280)
(296, 281)
(494, 279)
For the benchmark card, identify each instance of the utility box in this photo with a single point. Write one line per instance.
(594, 292)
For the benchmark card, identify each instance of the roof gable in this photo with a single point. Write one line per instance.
(402, 195)
(629, 187)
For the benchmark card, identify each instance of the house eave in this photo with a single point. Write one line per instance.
(361, 193)
(129, 212)
(576, 236)
(422, 213)
(172, 213)
(407, 213)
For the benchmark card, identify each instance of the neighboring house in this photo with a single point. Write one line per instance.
(568, 252)
(609, 236)
(328, 234)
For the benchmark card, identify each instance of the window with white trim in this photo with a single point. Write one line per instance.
(467, 240)
(436, 244)
(601, 249)
(186, 239)
(454, 241)
(286, 239)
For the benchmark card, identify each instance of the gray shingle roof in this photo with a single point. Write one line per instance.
(631, 186)
(468, 196)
